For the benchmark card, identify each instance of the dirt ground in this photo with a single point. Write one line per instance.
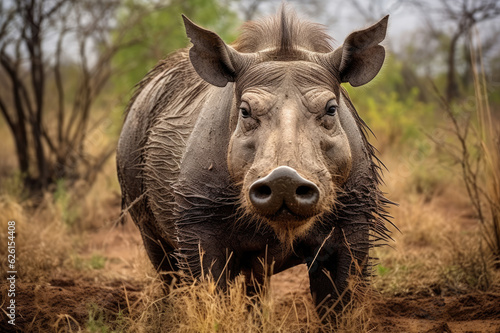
(64, 300)
(478, 312)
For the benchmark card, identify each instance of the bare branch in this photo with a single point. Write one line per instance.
(6, 115)
(51, 11)
(59, 83)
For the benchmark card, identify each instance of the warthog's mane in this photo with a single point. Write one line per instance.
(284, 34)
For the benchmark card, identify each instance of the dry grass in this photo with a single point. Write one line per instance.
(52, 231)
(439, 250)
(202, 306)
(489, 142)
(42, 244)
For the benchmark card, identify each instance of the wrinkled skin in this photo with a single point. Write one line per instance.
(254, 153)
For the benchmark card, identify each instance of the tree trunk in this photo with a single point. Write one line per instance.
(22, 152)
(33, 42)
(452, 91)
(467, 76)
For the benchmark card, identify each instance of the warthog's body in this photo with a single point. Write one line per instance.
(270, 158)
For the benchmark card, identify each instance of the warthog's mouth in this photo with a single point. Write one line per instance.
(285, 215)
(289, 226)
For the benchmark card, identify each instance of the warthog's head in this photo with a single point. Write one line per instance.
(289, 149)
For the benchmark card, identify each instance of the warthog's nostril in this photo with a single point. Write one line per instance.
(263, 199)
(304, 191)
(307, 196)
(284, 187)
(262, 191)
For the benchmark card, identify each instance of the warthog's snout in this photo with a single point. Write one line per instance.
(284, 189)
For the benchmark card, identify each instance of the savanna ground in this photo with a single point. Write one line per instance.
(80, 270)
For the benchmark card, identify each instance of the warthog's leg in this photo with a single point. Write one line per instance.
(160, 252)
(342, 256)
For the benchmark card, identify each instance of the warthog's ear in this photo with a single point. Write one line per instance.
(360, 58)
(214, 61)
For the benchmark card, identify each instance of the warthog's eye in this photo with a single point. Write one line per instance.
(244, 113)
(331, 107)
(245, 110)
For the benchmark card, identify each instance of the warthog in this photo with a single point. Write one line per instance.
(253, 152)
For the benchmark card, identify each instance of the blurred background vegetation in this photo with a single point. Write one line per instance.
(68, 69)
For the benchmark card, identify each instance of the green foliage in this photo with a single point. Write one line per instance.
(392, 108)
(382, 270)
(161, 32)
(96, 261)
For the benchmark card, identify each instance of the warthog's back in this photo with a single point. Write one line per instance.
(158, 122)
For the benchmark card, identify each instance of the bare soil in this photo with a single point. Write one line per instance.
(473, 312)
(65, 301)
